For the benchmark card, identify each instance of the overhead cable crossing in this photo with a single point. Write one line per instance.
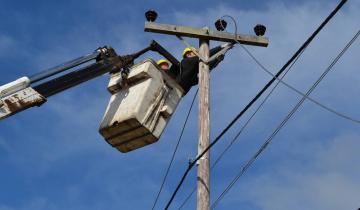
(286, 84)
(285, 120)
(248, 121)
(254, 100)
(241, 130)
(299, 92)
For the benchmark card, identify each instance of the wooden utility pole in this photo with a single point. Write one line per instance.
(204, 35)
(203, 175)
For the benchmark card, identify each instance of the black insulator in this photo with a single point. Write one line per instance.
(151, 15)
(220, 25)
(259, 30)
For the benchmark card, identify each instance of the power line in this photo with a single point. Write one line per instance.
(281, 125)
(254, 100)
(284, 83)
(175, 150)
(242, 128)
(280, 80)
(299, 92)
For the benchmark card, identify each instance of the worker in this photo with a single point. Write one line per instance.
(187, 74)
(188, 53)
(163, 64)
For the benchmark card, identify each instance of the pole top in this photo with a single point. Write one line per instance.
(205, 33)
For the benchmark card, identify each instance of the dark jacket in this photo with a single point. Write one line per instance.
(187, 73)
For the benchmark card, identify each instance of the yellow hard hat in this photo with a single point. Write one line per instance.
(162, 61)
(186, 50)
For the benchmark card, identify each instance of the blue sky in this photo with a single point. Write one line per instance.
(53, 158)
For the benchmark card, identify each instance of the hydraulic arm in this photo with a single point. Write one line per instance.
(27, 92)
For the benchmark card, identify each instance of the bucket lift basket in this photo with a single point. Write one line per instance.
(138, 112)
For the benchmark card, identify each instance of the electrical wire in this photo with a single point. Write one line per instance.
(191, 165)
(242, 128)
(284, 83)
(285, 120)
(175, 150)
(299, 92)
(280, 80)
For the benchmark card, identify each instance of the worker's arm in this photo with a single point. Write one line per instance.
(215, 50)
(187, 74)
(218, 59)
